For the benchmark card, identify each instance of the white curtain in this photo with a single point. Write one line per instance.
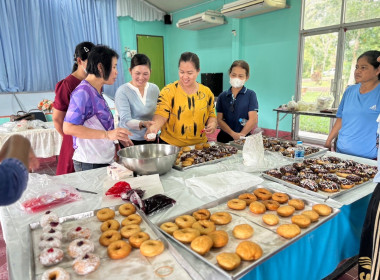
(139, 10)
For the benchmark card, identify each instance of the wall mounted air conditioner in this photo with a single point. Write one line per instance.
(201, 21)
(247, 8)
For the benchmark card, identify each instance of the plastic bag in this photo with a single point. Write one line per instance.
(153, 204)
(119, 188)
(253, 150)
(292, 105)
(324, 102)
(302, 106)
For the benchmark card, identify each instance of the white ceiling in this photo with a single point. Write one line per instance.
(170, 6)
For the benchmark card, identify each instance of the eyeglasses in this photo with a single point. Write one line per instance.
(232, 104)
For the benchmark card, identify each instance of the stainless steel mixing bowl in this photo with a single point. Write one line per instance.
(149, 159)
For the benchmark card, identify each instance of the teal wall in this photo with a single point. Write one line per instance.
(268, 42)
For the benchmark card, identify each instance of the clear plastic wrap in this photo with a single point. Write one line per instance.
(325, 102)
(118, 189)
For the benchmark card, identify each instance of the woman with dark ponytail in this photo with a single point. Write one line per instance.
(63, 91)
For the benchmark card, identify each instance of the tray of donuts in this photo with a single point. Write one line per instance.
(202, 154)
(231, 236)
(325, 177)
(113, 241)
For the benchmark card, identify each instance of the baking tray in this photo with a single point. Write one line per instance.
(264, 235)
(168, 264)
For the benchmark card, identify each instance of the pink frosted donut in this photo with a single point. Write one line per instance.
(86, 264)
(50, 242)
(56, 273)
(48, 217)
(78, 232)
(52, 225)
(52, 233)
(50, 256)
(80, 247)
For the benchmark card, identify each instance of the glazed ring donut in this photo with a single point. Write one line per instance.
(271, 219)
(201, 244)
(257, 207)
(119, 250)
(285, 211)
(204, 226)
(313, 215)
(131, 219)
(271, 204)
(108, 237)
(185, 221)
(263, 194)
(138, 238)
(228, 261)
(169, 227)
(322, 209)
(202, 214)
(57, 273)
(298, 204)
(248, 197)
(302, 221)
(199, 147)
(206, 145)
(242, 231)
(221, 218)
(151, 248)
(219, 238)
(127, 209)
(236, 204)
(186, 149)
(249, 251)
(110, 224)
(288, 230)
(187, 163)
(105, 214)
(128, 230)
(186, 235)
(280, 197)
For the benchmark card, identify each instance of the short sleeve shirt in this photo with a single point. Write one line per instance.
(63, 90)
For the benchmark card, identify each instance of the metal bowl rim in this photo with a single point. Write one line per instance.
(149, 157)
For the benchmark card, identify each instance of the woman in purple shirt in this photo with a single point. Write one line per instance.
(89, 119)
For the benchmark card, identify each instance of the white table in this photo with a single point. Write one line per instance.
(45, 142)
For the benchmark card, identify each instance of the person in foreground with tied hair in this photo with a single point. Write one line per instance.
(89, 119)
(63, 91)
(136, 101)
(16, 156)
(369, 253)
(185, 109)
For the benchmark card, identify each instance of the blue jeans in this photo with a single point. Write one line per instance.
(83, 166)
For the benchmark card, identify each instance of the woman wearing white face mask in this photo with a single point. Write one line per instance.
(235, 104)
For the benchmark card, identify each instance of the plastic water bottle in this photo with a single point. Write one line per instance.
(243, 121)
(299, 153)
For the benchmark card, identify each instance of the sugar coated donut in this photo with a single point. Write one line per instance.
(280, 197)
(221, 218)
(151, 248)
(186, 235)
(52, 225)
(185, 221)
(271, 219)
(298, 204)
(110, 224)
(105, 214)
(138, 238)
(127, 209)
(219, 238)
(271, 204)
(48, 217)
(302, 221)
(202, 214)
(52, 233)
(204, 226)
(285, 211)
(249, 251)
(108, 237)
(288, 230)
(313, 215)
(322, 209)
(50, 256)
(236, 204)
(118, 250)
(78, 232)
(248, 197)
(257, 207)
(201, 244)
(169, 227)
(56, 273)
(263, 194)
(242, 231)
(128, 230)
(132, 219)
(79, 247)
(50, 242)
(86, 264)
(228, 261)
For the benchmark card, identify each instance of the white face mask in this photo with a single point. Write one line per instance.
(236, 82)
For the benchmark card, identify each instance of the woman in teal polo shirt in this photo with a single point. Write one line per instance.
(236, 104)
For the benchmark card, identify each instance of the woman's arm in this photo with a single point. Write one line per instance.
(157, 122)
(251, 123)
(58, 117)
(334, 132)
(225, 127)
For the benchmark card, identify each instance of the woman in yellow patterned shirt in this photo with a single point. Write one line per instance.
(185, 109)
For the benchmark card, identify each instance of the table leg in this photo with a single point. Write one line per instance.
(277, 121)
